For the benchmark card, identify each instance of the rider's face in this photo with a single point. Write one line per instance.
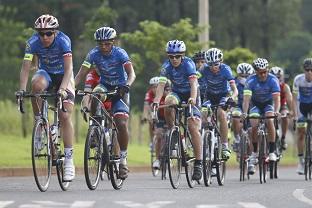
(262, 74)
(46, 37)
(106, 46)
(214, 67)
(200, 63)
(175, 59)
(308, 74)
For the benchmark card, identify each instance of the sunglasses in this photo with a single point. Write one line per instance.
(174, 56)
(244, 75)
(48, 34)
(262, 72)
(214, 64)
(307, 70)
(105, 43)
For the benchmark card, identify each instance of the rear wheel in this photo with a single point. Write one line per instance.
(41, 155)
(189, 160)
(153, 156)
(93, 157)
(242, 158)
(174, 158)
(207, 163)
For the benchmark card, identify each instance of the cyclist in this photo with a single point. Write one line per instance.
(199, 60)
(263, 90)
(116, 71)
(243, 71)
(286, 102)
(159, 129)
(53, 50)
(302, 89)
(181, 71)
(219, 82)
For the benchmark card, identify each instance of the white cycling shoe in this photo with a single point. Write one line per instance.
(69, 170)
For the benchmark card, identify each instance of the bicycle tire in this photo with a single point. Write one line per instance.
(307, 159)
(116, 181)
(41, 155)
(242, 158)
(174, 157)
(189, 157)
(207, 163)
(262, 162)
(220, 163)
(164, 157)
(153, 156)
(93, 157)
(60, 173)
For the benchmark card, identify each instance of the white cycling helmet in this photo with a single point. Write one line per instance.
(277, 71)
(213, 55)
(46, 21)
(154, 81)
(260, 63)
(105, 33)
(245, 68)
(175, 46)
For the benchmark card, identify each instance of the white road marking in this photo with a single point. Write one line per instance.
(210, 205)
(155, 204)
(298, 194)
(83, 204)
(5, 203)
(251, 205)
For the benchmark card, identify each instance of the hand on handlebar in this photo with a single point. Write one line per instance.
(62, 92)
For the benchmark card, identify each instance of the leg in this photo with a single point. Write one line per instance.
(301, 131)
(39, 83)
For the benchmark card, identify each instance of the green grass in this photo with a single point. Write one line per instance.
(16, 152)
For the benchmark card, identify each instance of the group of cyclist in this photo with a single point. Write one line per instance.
(257, 91)
(205, 78)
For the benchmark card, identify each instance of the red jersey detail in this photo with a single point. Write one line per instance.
(92, 80)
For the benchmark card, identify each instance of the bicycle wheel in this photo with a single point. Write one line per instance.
(60, 171)
(41, 155)
(189, 157)
(242, 158)
(153, 156)
(114, 162)
(174, 158)
(164, 157)
(207, 163)
(220, 163)
(307, 159)
(262, 158)
(93, 157)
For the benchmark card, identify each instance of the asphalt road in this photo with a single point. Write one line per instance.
(143, 190)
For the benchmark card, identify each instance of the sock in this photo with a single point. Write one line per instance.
(198, 162)
(271, 147)
(123, 157)
(237, 138)
(37, 117)
(225, 145)
(283, 137)
(69, 152)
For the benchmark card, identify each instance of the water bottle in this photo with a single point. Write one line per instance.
(53, 131)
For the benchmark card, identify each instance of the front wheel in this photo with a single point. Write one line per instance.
(189, 157)
(262, 160)
(174, 158)
(220, 163)
(41, 155)
(93, 157)
(207, 159)
(60, 173)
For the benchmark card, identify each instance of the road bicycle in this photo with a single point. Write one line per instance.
(101, 153)
(308, 148)
(46, 149)
(180, 147)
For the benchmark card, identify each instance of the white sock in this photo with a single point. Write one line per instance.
(123, 157)
(69, 152)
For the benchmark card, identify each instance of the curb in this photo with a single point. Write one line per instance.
(19, 172)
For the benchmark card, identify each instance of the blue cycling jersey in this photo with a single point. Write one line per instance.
(216, 83)
(303, 89)
(110, 66)
(51, 59)
(240, 84)
(179, 76)
(261, 91)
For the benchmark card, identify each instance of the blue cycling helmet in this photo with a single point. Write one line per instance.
(105, 33)
(175, 46)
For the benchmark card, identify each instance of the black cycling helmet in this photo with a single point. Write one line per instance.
(198, 56)
(307, 63)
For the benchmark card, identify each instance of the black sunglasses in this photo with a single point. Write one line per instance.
(307, 70)
(174, 56)
(48, 34)
(214, 64)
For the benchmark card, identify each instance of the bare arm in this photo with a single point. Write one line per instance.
(83, 71)
(246, 101)
(26, 67)
(68, 71)
(234, 90)
(130, 72)
(295, 104)
(193, 84)
(159, 92)
(289, 97)
(277, 102)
